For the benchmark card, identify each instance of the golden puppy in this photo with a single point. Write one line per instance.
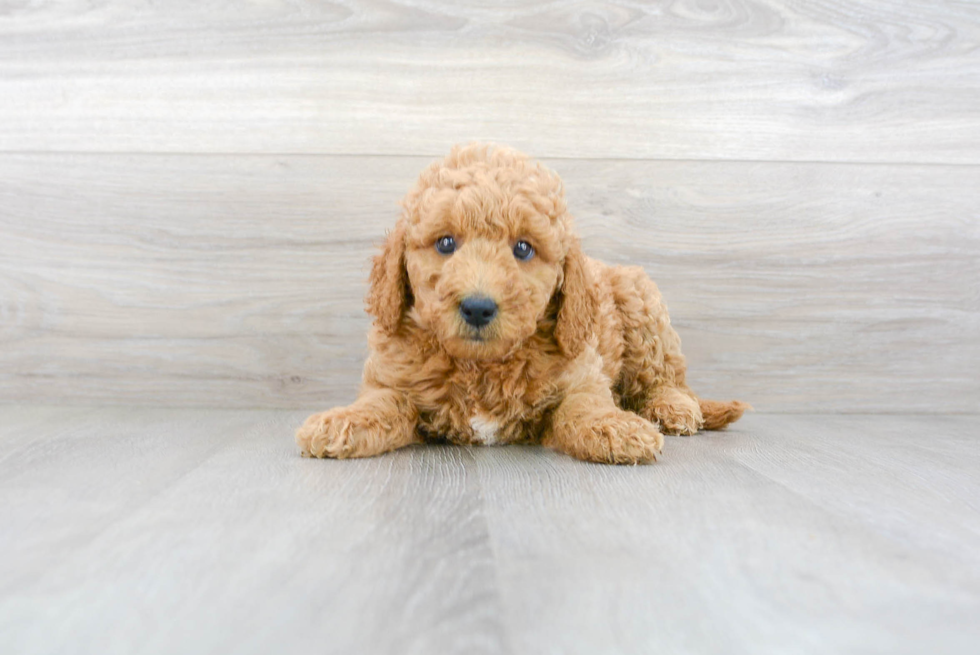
(492, 327)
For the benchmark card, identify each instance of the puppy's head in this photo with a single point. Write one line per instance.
(482, 256)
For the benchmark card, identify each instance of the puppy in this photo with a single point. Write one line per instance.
(492, 327)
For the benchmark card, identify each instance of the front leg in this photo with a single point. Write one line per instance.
(588, 425)
(379, 420)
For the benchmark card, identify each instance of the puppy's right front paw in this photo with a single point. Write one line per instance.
(319, 435)
(338, 433)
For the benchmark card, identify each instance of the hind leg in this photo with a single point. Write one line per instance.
(651, 381)
(676, 411)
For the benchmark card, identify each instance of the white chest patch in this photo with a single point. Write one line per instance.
(484, 430)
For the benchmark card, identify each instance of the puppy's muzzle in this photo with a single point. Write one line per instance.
(478, 310)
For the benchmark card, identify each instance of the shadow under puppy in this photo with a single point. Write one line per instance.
(492, 327)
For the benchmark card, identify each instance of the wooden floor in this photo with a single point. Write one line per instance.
(164, 531)
(190, 194)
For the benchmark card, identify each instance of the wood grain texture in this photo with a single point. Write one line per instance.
(861, 81)
(787, 534)
(238, 280)
(148, 532)
(201, 531)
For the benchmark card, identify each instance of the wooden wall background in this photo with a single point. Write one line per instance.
(190, 191)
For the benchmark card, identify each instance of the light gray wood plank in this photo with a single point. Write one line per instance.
(806, 287)
(156, 531)
(70, 477)
(765, 539)
(238, 281)
(867, 80)
(917, 488)
(143, 531)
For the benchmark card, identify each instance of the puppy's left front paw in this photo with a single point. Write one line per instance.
(625, 438)
(615, 437)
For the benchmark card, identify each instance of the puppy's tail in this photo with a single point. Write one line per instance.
(718, 414)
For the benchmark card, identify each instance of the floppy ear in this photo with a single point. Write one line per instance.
(577, 311)
(389, 294)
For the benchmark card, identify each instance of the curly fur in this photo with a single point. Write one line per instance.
(580, 356)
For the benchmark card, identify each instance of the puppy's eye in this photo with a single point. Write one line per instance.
(446, 245)
(523, 250)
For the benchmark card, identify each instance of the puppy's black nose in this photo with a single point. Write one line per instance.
(478, 310)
